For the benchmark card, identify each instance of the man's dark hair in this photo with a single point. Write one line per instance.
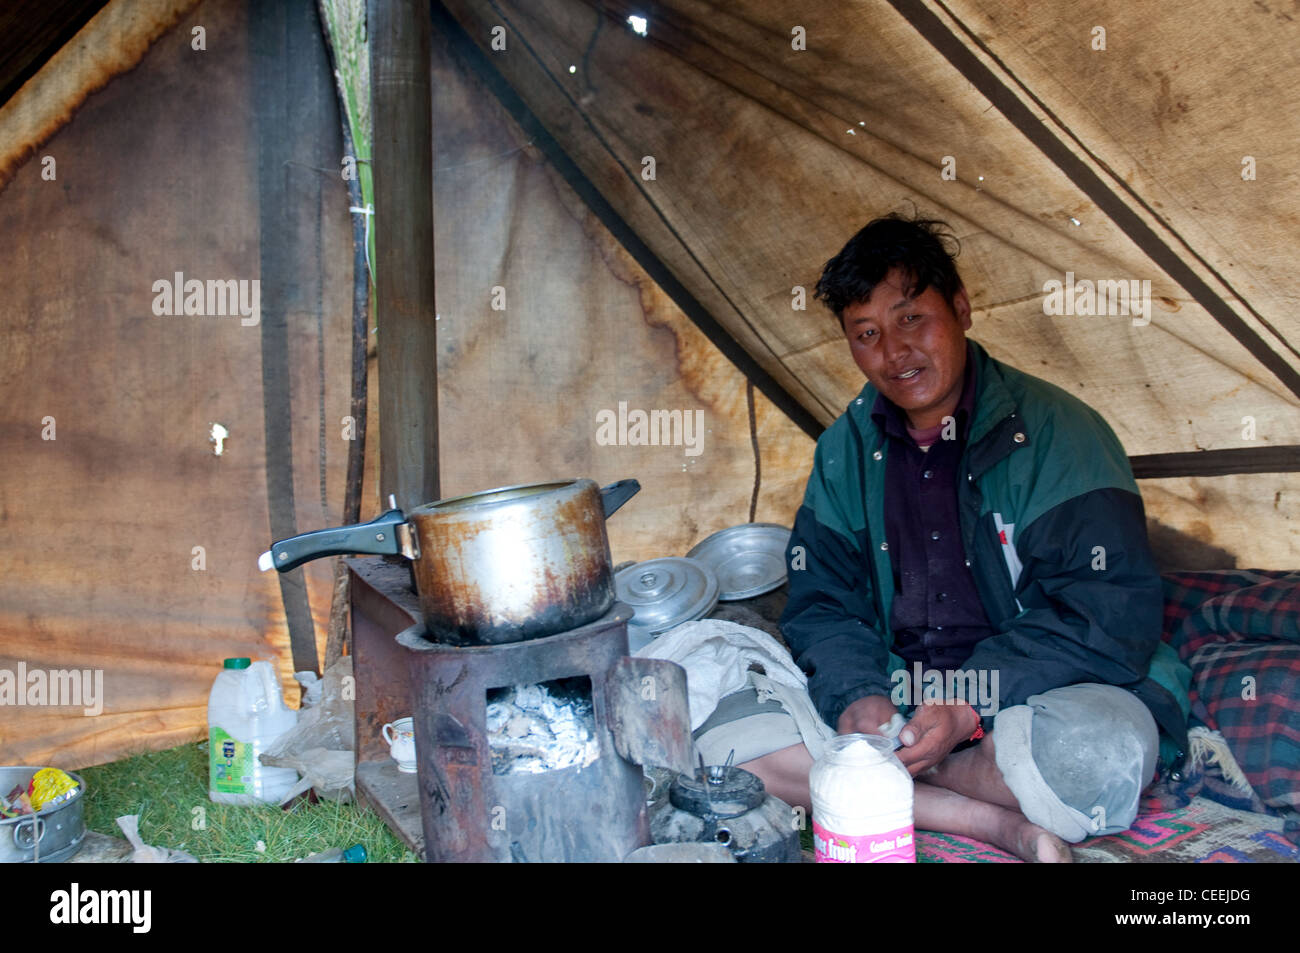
(921, 247)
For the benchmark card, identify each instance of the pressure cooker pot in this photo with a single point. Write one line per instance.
(504, 565)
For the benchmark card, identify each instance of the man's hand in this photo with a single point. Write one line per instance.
(931, 734)
(866, 715)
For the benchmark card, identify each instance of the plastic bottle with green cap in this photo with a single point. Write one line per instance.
(246, 714)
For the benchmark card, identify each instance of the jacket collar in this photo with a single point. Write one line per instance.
(993, 429)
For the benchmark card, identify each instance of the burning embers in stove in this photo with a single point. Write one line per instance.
(542, 727)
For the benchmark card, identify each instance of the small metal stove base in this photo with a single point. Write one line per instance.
(471, 814)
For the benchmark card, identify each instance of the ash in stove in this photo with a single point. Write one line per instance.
(542, 727)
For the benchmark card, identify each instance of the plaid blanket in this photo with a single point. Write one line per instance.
(1239, 632)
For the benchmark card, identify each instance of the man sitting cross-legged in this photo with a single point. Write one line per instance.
(965, 517)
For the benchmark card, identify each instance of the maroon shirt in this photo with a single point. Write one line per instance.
(936, 616)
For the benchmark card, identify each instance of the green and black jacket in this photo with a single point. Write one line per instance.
(1074, 594)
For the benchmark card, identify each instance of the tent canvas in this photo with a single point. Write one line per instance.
(1102, 141)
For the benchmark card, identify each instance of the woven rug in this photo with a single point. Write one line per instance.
(1203, 832)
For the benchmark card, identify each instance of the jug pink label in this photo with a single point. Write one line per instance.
(889, 847)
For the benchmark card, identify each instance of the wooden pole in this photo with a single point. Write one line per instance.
(401, 111)
(338, 627)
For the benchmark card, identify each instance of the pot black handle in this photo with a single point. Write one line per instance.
(616, 494)
(378, 537)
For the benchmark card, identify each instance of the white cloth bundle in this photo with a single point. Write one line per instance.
(718, 657)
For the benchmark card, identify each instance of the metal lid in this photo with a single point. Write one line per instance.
(728, 792)
(748, 559)
(500, 494)
(666, 592)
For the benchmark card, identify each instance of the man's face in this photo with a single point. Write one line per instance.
(912, 349)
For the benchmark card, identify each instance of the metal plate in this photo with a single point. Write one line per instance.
(748, 559)
(664, 593)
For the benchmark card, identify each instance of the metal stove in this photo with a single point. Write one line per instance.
(469, 810)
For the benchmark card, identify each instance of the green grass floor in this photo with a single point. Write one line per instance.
(169, 790)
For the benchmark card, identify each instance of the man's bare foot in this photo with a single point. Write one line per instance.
(1034, 845)
(938, 809)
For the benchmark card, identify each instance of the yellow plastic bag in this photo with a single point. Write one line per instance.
(50, 785)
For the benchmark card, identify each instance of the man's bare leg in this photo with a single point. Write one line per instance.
(785, 774)
(935, 808)
(973, 772)
(938, 809)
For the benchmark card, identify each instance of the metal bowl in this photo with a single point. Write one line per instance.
(748, 560)
(57, 829)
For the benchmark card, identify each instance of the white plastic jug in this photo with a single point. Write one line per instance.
(246, 714)
(862, 803)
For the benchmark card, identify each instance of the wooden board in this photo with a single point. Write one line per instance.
(395, 797)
